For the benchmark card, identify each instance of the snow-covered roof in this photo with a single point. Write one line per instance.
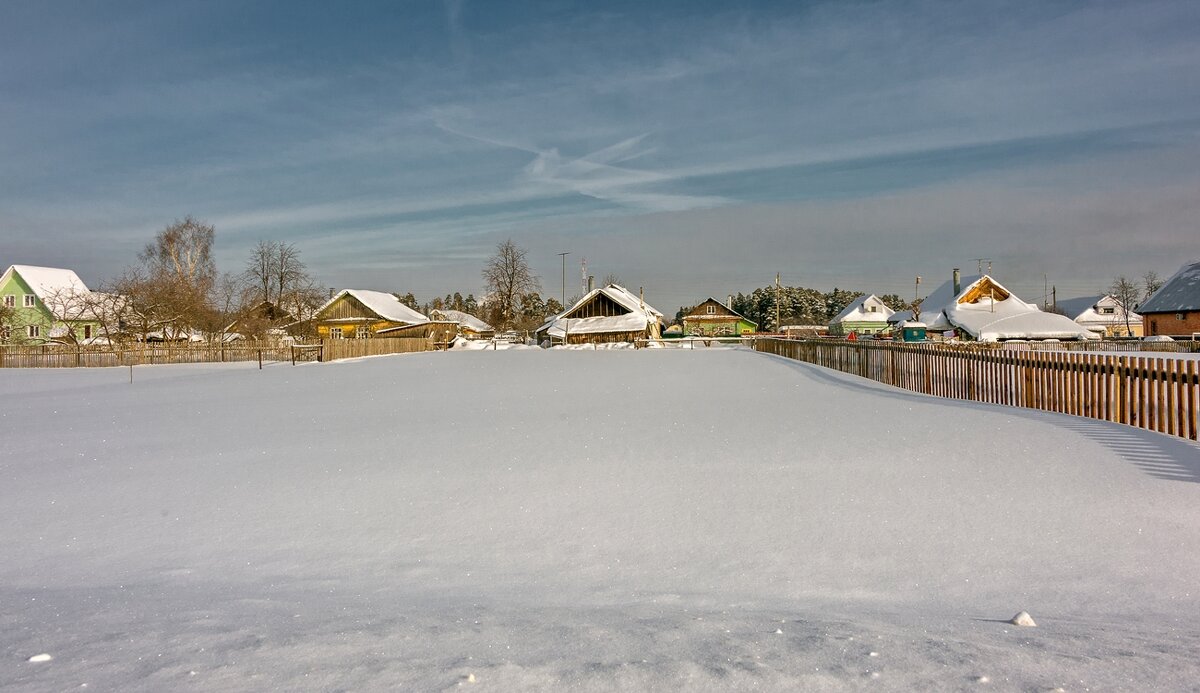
(1086, 310)
(47, 281)
(640, 315)
(724, 306)
(629, 322)
(859, 310)
(465, 319)
(621, 295)
(64, 293)
(385, 305)
(995, 315)
(1180, 293)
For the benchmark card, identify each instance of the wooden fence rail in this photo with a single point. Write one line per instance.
(1153, 393)
(68, 356)
(334, 349)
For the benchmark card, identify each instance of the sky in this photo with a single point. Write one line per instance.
(692, 148)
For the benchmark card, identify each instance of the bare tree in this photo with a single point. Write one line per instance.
(508, 279)
(147, 307)
(8, 323)
(274, 270)
(1127, 293)
(179, 266)
(1150, 283)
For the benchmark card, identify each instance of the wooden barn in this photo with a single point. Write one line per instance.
(359, 314)
(715, 319)
(469, 326)
(609, 314)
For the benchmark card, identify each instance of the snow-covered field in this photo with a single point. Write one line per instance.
(585, 520)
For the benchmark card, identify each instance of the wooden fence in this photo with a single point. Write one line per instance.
(334, 349)
(71, 356)
(1153, 393)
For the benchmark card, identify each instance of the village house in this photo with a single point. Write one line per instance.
(1174, 309)
(1103, 315)
(49, 304)
(469, 326)
(715, 319)
(983, 310)
(865, 315)
(359, 314)
(609, 314)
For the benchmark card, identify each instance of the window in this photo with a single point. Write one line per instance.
(1179, 316)
(873, 309)
(362, 332)
(1108, 310)
(335, 333)
(87, 331)
(34, 330)
(10, 301)
(30, 300)
(5, 333)
(712, 310)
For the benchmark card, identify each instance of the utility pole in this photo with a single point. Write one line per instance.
(916, 309)
(564, 279)
(778, 326)
(1045, 292)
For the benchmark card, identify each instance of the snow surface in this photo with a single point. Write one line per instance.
(580, 520)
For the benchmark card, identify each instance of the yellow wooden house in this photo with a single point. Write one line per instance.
(360, 314)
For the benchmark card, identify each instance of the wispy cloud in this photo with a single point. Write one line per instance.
(455, 123)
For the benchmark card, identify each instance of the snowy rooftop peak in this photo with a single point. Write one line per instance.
(47, 281)
(1179, 293)
(385, 305)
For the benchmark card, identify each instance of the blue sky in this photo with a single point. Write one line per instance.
(693, 148)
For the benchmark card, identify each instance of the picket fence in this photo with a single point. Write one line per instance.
(1153, 393)
(97, 356)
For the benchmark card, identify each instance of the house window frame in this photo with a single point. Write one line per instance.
(336, 333)
(33, 331)
(1180, 317)
(362, 331)
(30, 301)
(87, 331)
(10, 300)
(712, 310)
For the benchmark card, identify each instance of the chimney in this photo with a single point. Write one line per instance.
(957, 281)
(729, 302)
(642, 298)
(332, 291)
(591, 283)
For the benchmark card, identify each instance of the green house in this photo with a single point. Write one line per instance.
(47, 304)
(865, 315)
(715, 319)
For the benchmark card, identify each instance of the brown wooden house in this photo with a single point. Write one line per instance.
(715, 319)
(609, 314)
(359, 314)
